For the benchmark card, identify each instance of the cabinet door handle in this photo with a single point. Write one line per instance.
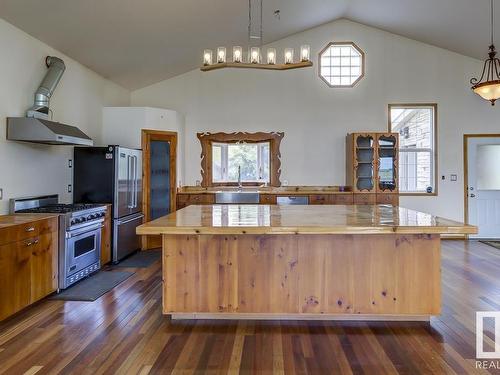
(29, 243)
(30, 229)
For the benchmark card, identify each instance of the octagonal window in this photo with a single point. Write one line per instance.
(341, 64)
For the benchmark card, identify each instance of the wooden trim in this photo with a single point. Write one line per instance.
(302, 64)
(466, 169)
(148, 135)
(206, 140)
(362, 64)
(339, 317)
(436, 144)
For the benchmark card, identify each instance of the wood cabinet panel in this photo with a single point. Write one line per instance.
(392, 199)
(29, 267)
(106, 237)
(184, 200)
(43, 265)
(342, 199)
(267, 199)
(15, 277)
(302, 274)
(365, 198)
(320, 199)
(201, 198)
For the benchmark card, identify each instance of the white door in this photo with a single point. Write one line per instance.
(483, 185)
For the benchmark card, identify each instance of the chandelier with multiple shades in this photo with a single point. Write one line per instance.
(254, 56)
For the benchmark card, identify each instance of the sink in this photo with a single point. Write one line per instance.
(237, 197)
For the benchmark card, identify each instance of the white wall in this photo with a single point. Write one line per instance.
(27, 169)
(316, 118)
(122, 126)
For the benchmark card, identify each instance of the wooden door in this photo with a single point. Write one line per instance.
(15, 277)
(159, 178)
(483, 185)
(43, 266)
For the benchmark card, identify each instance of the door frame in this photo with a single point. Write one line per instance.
(148, 135)
(466, 170)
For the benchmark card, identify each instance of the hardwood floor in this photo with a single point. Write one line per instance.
(124, 333)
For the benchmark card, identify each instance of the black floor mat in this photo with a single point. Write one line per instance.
(141, 259)
(492, 243)
(93, 287)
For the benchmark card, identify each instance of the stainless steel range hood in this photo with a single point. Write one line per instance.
(36, 126)
(37, 130)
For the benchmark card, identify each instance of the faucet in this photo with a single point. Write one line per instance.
(240, 186)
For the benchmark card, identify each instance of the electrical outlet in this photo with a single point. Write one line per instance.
(70, 188)
(285, 182)
(70, 163)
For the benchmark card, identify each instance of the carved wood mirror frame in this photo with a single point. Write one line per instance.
(207, 139)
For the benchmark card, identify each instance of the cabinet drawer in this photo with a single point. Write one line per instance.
(267, 199)
(201, 199)
(27, 230)
(342, 199)
(320, 199)
(364, 198)
(392, 199)
(182, 198)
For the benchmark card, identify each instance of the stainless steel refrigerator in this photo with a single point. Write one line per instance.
(112, 174)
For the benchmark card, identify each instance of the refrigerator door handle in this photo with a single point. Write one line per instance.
(130, 203)
(136, 179)
(134, 172)
(136, 217)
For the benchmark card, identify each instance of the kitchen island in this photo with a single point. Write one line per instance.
(373, 262)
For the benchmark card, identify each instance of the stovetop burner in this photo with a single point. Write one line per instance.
(61, 208)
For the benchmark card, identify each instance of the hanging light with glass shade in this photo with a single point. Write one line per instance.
(488, 86)
(255, 59)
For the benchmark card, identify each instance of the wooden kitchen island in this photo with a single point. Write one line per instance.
(374, 262)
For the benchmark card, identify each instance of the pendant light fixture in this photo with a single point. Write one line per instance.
(255, 59)
(488, 86)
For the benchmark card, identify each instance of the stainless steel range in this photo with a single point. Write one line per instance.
(79, 234)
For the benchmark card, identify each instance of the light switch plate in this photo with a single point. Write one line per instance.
(1, 194)
(70, 163)
(70, 188)
(453, 177)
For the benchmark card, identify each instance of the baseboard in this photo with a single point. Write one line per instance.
(339, 317)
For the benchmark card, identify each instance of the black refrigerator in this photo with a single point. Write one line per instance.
(112, 174)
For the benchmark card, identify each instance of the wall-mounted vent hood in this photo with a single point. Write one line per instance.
(36, 126)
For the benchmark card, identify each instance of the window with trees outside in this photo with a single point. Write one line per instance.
(252, 160)
(416, 125)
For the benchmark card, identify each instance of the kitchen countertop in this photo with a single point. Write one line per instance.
(272, 219)
(20, 219)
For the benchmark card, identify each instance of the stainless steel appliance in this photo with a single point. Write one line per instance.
(79, 234)
(112, 174)
(36, 127)
(292, 200)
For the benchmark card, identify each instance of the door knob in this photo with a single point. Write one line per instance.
(472, 195)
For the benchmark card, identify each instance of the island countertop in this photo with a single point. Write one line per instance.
(327, 219)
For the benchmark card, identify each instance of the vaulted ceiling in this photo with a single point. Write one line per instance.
(139, 42)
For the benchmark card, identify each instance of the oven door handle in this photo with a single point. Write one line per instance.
(85, 230)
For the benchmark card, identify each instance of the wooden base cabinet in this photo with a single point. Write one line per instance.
(106, 237)
(28, 267)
